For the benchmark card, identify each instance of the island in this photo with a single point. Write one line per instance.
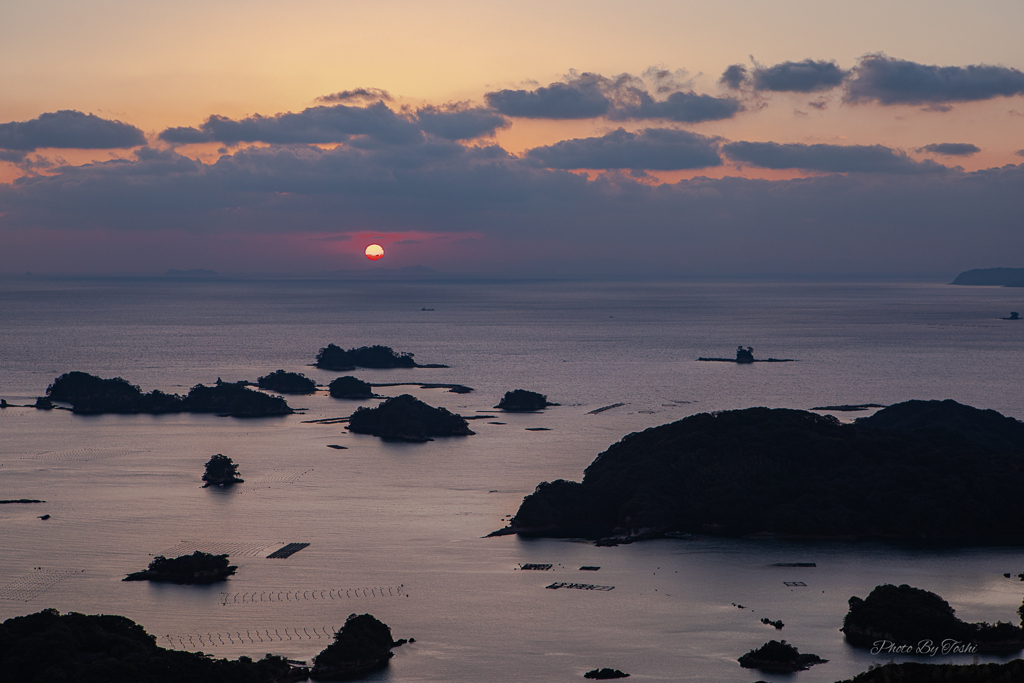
(362, 645)
(351, 388)
(221, 471)
(406, 418)
(998, 277)
(287, 383)
(935, 471)
(1014, 315)
(50, 646)
(778, 657)
(333, 357)
(902, 618)
(523, 401)
(89, 394)
(605, 674)
(744, 356)
(199, 567)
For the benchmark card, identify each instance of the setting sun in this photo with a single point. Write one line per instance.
(374, 252)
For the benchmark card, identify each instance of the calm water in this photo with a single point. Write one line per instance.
(395, 529)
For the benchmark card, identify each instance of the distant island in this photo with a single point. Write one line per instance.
(333, 357)
(406, 418)
(198, 567)
(381, 273)
(351, 388)
(918, 470)
(362, 645)
(523, 401)
(903, 617)
(287, 383)
(744, 356)
(50, 646)
(998, 277)
(221, 471)
(779, 657)
(89, 394)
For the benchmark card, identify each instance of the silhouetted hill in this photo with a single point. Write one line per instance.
(407, 418)
(362, 645)
(105, 648)
(1006, 277)
(930, 470)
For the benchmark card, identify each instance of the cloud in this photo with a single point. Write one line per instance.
(857, 223)
(460, 123)
(952, 149)
(12, 155)
(581, 98)
(734, 76)
(623, 98)
(805, 76)
(828, 158)
(1020, 152)
(656, 149)
(315, 125)
(362, 95)
(68, 129)
(889, 81)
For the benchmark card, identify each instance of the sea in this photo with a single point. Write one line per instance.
(399, 530)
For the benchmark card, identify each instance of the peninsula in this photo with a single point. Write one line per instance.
(921, 470)
(999, 277)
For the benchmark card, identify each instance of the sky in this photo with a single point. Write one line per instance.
(520, 138)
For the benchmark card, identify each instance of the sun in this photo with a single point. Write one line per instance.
(374, 252)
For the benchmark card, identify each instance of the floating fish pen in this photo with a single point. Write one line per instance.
(580, 586)
(311, 594)
(535, 567)
(286, 551)
(795, 564)
(792, 584)
(588, 568)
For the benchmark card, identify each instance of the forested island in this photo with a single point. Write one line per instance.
(351, 388)
(936, 471)
(406, 418)
(199, 567)
(287, 383)
(333, 357)
(221, 471)
(89, 394)
(779, 657)
(903, 618)
(104, 648)
(523, 401)
(362, 645)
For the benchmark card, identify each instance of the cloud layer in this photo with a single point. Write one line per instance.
(651, 149)
(885, 80)
(828, 158)
(66, 129)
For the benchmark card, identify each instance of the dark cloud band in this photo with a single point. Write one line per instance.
(952, 149)
(69, 129)
(828, 158)
(885, 80)
(652, 149)
(805, 76)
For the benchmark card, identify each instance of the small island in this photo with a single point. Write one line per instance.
(406, 418)
(50, 646)
(287, 383)
(744, 356)
(779, 657)
(351, 388)
(199, 567)
(362, 645)
(89, 394)
(333, 357)
(902, 617)
(1014, 315)
(221, 471)
(952, 475)
(605, 674)
(523, 401)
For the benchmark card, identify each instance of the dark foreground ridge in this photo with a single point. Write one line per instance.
(106, 648)
(406, 418)
(780, 657)
(934, 471)
(333, 357)
(1000, 277)
(902, 618)
(199, 567)
(914, 672)
(89, 394)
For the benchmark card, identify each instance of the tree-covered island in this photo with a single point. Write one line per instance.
(89, 394)
(921, 470)
(362, 645)
(406, 418)
(779, 657)
(333, 357)
(351, 388)
(199, 567)
(221, 471)
(907, 620)
(287, 383)
(523, 401)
